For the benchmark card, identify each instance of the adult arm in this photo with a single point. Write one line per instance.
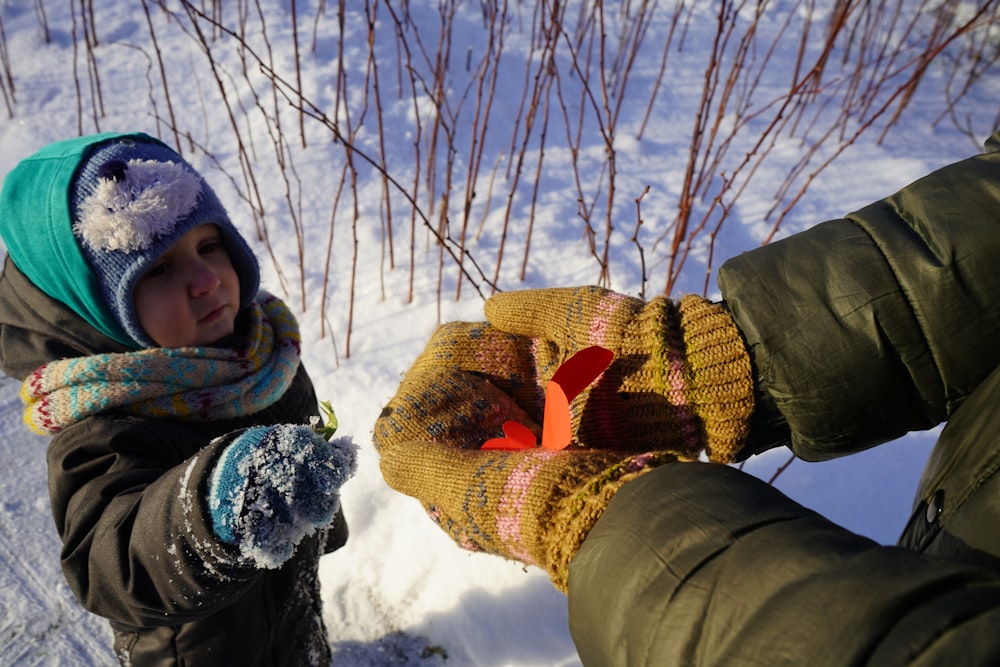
(866, 327)
(701, 564)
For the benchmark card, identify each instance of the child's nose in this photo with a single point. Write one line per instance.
(203, 279)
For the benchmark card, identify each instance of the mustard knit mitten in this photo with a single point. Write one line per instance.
(535, 506)
(469, 380)
(680, 379)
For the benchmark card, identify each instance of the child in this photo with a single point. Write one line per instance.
(192, 500)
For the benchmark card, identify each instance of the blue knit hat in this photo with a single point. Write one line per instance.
(85, 218)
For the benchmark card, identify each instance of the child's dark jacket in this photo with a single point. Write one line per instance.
(860, 330)
(128, 496)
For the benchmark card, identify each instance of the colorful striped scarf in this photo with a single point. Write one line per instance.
(185, 383)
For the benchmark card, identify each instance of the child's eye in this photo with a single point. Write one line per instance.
(156, 271)
(209, 247)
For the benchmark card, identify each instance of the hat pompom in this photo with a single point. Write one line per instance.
(135, 203)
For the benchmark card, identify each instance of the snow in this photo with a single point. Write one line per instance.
(400, 592)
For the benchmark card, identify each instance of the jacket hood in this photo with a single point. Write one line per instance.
(36, 329)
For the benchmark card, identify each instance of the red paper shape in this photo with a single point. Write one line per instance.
(572, 377)
(518, 436)
(556, 428)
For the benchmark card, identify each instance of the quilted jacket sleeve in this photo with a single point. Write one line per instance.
(138, 546)
(700, 564)
(867, 327)
(128, 499)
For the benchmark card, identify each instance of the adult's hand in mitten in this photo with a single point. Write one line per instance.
(469, 380)
(535, 506)
(273, 486)
(680, 379)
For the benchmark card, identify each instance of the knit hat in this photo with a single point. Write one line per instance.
(85, 218)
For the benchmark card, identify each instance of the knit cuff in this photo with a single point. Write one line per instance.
(577, 512)
(227, 484)
(720, 376)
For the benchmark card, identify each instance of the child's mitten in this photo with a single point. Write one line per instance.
(273, 486)
(681, 378)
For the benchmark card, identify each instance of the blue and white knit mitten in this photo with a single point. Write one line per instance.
(274, 485)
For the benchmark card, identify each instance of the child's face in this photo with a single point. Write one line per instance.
(191, 295)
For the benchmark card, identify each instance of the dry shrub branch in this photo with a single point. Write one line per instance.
(451, 131)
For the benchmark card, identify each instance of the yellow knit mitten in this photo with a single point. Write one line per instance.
(681, 378)
(534, 506)
(537, 506)
(469, 380)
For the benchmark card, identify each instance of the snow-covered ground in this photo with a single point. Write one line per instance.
(401, 593)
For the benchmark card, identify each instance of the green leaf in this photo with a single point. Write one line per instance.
(330, 427)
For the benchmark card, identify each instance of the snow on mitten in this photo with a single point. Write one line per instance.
(680, 379)
(273, 486)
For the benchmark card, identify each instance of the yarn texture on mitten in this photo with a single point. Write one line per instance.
(681, 377)
(534, 506)
(273, 486)
(469, 380)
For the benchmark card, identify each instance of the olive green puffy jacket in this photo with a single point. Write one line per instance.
(860, 330)
(128, 498)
